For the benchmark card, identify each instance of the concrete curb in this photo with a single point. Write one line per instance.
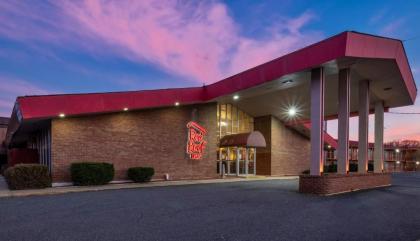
(72, 189)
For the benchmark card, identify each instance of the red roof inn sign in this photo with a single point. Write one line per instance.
(196, 143)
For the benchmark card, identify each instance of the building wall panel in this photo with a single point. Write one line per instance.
(290, 151)
(155, 137)
(263, 125)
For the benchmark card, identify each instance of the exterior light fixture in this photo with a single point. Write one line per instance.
(287, 81)
(222, 123)
(236, 97)
(177, 103)
(62, 115)
(398, 162)
(329, 146)
(397, 150)
(292, 111)
(125, 109)
(417, 163)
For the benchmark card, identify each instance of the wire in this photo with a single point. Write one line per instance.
(412, 38)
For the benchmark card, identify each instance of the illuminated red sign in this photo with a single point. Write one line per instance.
(196, 143)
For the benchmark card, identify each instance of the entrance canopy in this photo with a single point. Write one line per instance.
(252, 139)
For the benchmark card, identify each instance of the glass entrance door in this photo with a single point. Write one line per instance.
(242, 161)
(239, 161)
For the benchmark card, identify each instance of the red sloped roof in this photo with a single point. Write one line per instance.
(345, 44)
(77, 104)
(328, 139)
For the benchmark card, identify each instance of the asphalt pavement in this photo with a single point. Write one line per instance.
(253, 210)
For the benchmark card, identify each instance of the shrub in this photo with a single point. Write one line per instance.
(330, 168)
(306, 172)
(27, 176)
(140, 174)
(3, 168)
(91, 173)
(353, 167)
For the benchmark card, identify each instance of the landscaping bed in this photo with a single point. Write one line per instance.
(338, 183)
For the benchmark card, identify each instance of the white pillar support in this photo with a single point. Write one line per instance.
(228, 161)
(343, 120)
(363, 155)
(317, 121)
(246, 161)
(379, 138)
(255, 161)
(237, 161)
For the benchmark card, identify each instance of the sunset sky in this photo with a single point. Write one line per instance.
(51, 47)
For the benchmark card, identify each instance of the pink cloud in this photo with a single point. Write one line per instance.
(285, 37)
(10, 88)
(392, 28)
(378, 16)
(199, 41)
(397, 126)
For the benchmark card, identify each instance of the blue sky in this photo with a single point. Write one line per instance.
(94, 46)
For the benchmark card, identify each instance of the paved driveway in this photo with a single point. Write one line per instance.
(260, 210)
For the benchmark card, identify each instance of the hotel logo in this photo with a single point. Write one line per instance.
(196, 143)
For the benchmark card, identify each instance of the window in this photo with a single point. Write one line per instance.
(232, 120)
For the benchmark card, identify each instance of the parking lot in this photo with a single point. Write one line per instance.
(256, 210)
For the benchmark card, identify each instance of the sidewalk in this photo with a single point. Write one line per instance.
(70, 189)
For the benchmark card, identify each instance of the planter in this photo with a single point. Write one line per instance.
(328, 184)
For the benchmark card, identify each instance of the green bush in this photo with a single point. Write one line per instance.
(91, 173)
(353, 167)
(27, 176)
(330, 168)
(140, 174)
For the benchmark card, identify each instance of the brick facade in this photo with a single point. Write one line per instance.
(155, 137)
(338, 183)
(3, 131)
(287, 151)
(263, 125)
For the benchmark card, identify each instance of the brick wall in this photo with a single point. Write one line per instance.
(290, 150)
(263, 125)
(3, 130)
(155, 137)
(338, 183)
(287, 151)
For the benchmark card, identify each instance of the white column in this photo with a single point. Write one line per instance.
(378, 156)
(343, 120)
(317, 120)
(237, 161)
(220, 162)
(228, 160)
(363, 155)
(246, 161)
(255, 161)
